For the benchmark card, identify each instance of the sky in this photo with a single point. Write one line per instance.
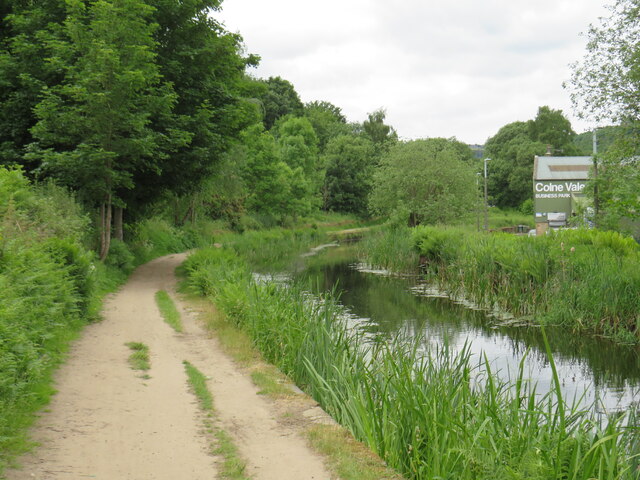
(456, 68)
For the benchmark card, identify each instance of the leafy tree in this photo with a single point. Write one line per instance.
(511, 167)
(605, 83)
(327, 120)
(278, 100)
(604, 87)
(298, 148)
(26, 29)
(552, 128)
(204, 65)
(94, 129)
(268, 179)
(349, 175)
(382, 135)
(618, 184)
(512, 151)
(426, 180)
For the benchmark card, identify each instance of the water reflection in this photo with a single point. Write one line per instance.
(595, 367)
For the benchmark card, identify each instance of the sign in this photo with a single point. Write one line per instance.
(558, 189)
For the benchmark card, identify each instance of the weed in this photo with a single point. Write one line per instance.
(233, 466)
(168, 310)
(139, 359)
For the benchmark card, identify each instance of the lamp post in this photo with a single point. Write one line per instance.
(486, 202)
(478, 201)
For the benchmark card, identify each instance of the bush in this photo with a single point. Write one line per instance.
(120, 257)
(47, 291)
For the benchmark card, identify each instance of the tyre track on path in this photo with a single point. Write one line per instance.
(107, 422)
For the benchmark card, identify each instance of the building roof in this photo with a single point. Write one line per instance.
(561, 168)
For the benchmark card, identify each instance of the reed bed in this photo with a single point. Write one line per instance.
(586, 280)
(434, 414)
(390, 248)
(275, 249)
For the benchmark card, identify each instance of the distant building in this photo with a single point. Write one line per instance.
(558, 189)
(478, 150)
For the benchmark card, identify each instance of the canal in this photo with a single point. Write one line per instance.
(607, 374)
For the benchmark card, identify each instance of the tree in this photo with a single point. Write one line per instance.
(350, 162)
(298, 148)
(327, 120)
(382, 135)
(426, 180)
(267, 178)
(512, 151)
(552, 128)
(605, 83)
(205, 66)
(279, 99)
(618, 184)
(26, 29)
(604, 87)
(94, 129)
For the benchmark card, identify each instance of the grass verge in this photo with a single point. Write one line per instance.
(348, 458)
(345, 456)
(168, 310)
(233, 466)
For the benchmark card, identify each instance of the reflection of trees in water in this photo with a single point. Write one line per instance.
(394, 309)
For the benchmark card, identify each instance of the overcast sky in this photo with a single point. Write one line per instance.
(440, 68)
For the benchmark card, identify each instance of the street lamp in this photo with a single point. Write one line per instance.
(486, 202)
(478, 201)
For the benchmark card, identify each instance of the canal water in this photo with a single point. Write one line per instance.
(607, 374)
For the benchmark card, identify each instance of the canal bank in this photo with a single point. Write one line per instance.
(427, 413)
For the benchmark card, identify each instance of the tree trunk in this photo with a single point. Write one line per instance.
(193, 209)
(118, 227)
(105, 228)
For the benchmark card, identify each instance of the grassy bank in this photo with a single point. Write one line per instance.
(428, 414)
(586, 280)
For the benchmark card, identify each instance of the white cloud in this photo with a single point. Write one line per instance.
(459, 68)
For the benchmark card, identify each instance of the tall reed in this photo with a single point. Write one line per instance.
(586, 280)
(431, 414)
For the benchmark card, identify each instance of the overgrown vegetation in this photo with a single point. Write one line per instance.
(430, 414)
(48, 290)
(51, 284)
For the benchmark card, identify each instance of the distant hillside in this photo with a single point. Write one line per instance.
(606, 136)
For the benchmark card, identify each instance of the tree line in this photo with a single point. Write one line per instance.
(147, 105)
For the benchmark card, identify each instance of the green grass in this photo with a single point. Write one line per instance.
(139, 359)
(233, 466)
(198, 383)
(168, 310)
(429, 414)
(271, 382)
(350, 459)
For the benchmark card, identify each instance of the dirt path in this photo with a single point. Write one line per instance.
(108, 423)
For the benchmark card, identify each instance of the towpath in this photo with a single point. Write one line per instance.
(106, 422)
